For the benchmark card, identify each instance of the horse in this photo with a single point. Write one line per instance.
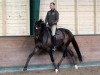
(44, 40)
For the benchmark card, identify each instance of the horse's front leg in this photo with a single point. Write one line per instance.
(28, 59)
(52, 59)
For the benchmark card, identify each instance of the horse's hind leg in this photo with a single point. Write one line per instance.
(73, 58)
(28, 59)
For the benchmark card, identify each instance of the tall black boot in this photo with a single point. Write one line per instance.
(54, 43)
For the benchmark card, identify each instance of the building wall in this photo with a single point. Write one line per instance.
(15, 20)
(14, 52)
(79, 16)
(98, 16)
(0, 17)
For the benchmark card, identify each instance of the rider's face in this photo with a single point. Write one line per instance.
(52, 6)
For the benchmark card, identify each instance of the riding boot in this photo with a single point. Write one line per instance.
(54, 43)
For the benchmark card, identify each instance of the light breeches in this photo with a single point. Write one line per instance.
(53, 29)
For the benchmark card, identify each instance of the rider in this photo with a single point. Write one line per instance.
(52, 18)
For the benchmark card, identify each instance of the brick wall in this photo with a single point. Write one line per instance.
(15, 50)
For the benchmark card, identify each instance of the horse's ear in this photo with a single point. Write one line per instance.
(41, 20)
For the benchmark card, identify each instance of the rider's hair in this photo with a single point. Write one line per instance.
(52, 3)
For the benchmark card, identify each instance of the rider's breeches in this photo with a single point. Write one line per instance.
(53, 29)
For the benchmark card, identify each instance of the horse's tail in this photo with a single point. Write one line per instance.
(72, 39)
(75, 45)
(77, 49)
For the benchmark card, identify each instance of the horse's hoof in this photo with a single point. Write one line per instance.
(56, 70)
(25, 69)
(76, 67)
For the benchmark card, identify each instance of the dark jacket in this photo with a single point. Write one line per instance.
(52, 17)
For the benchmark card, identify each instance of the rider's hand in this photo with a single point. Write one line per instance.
(47, 25)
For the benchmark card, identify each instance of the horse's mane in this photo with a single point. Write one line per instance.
(45, 32)
(44, 27)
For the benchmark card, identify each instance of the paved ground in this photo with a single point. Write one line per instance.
(80, 71)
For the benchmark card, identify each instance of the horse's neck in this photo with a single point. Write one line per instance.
(45, 30)
(45, 33)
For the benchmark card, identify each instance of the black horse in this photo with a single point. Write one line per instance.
(44, 40)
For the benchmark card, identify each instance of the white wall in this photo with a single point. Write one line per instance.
(79, 16)
(0, 17)
(17, 17)
(67, 14)
(16, 13)
(98, 16)
(85, 11)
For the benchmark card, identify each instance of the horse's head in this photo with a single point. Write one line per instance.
(39, 27)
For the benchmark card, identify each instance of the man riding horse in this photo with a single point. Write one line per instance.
(52, 18)
(62, 39)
